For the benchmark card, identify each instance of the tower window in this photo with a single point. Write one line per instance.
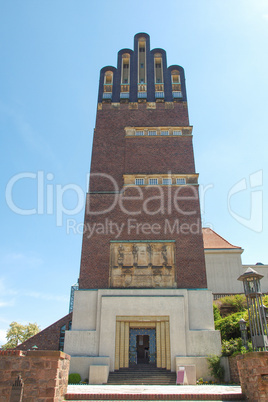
(139, 182)
(177, 132)
(158, 68)
(151, 132)
(108, 85)
(142, 61)
(180, 181)
(125, 68)
(177, 94)
(153, 182)
(108, 78)
(175, 77)
(167, 182)
(139, 132)
(165, 132)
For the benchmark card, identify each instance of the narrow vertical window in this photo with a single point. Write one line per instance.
(125, 69)
(158, 69)
(142, 62)
(125, 76)
(142, 87)
(108, 85)
(158, 76)
(176, 84)
(175, 77)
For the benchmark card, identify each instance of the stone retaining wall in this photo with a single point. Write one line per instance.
(44, 374)
(234, 374)
(253, 372)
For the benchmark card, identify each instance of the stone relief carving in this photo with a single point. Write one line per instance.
(150, 253)
(135, 250)
(164, 254)
(120, 258)
(142, 264)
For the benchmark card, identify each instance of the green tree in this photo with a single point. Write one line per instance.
(19, 333)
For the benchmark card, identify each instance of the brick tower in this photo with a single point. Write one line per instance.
(142, 289)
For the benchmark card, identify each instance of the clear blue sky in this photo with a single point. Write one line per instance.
(51, 53)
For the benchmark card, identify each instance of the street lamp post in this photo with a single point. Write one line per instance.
(256, 312)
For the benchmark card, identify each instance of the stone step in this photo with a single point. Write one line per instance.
(148, 393)
(149, 398)
(142, 375)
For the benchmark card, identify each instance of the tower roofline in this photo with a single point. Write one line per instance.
(141, 34)
(141, 75)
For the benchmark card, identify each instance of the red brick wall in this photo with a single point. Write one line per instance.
(253, 373)
(48, 339)
(110, 155)
(44, 373)
(190, 264)
(234, 374)
(159, 155)
(115, 155)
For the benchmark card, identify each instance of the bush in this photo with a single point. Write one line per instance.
(74, 378)
(216, 312)
(229, 326)
(265, 300)
(234, 347)
(231, 347)
(231, 304)
(215, 368)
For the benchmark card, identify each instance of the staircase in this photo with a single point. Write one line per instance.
(142, 374)
(144, 383)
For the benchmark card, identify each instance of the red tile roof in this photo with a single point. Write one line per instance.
(214, 241)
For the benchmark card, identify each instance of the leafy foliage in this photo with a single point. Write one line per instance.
(265, 300)
(228, 311)
(231, 304)
(234, 347)
(229, 326)
(74, 378)
(216, 312)
(215, 367)
(19, 333)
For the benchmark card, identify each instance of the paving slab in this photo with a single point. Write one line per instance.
(154, 392)
(154, 389)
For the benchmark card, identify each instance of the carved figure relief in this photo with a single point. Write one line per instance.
(150, 253)
(135, 250)
(120, 258)
(142, 264)
(164, 254)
